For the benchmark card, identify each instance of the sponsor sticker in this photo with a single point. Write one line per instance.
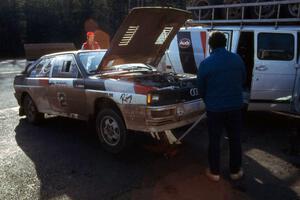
(184, 43)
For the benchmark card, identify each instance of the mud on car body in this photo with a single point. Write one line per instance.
(118, 88)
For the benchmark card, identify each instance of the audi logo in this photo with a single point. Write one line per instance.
(184, 43)
(194, 92)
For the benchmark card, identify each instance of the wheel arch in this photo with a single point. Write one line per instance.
(105, 102)
(23, 95)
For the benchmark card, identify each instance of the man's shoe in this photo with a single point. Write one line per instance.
(212, 177)
(237, 176)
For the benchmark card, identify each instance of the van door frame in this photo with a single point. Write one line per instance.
(296, 91)
(229, 43)
(258, 100)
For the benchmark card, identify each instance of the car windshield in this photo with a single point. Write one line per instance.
(91, 61)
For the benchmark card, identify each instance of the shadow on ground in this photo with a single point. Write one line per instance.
(69, 162)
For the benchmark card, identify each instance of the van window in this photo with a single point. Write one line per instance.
(275, 46)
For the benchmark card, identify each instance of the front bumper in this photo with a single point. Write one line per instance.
(161, 118)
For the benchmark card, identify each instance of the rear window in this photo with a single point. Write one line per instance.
(42, 68)
(275, 46)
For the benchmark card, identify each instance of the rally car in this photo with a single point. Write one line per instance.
(120, 89)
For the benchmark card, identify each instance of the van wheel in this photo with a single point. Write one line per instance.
(32, 114)
(111, 131)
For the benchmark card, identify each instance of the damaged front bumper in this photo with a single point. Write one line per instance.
(161, 118)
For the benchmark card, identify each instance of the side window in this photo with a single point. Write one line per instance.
(65, 67)
(275, 46)
(42, 69)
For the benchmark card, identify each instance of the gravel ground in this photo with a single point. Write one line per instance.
(61, 159)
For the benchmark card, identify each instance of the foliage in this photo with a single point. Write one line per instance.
(43, 21)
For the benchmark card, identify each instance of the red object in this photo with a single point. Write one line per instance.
(87, 46)
(88, 34)
(203, 42)
(140, 89)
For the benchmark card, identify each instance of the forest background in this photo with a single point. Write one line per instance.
(62, 21)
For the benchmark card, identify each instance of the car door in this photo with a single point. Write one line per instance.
(67, 95)
(38, 79)
(296, 93)
(274, 70)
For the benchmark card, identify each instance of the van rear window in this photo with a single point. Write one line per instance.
(275, 46)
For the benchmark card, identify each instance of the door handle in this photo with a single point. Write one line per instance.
(261, 68)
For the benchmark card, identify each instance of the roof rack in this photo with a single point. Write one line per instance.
(207, 15)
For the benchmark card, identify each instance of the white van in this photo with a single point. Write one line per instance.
(271, 54)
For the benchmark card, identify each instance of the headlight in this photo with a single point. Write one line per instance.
(152, 98)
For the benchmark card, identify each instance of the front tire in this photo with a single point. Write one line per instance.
(111, 131)
(32, 114)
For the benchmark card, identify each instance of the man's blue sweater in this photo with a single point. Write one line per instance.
(220, 81)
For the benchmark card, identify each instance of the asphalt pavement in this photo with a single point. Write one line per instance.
(62, 159)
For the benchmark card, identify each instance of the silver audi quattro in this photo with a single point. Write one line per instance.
(120, 89)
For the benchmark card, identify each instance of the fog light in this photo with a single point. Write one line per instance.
(180, 111)
(161, 113)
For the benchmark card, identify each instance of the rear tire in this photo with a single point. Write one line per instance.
(111, 131)
(32, 114)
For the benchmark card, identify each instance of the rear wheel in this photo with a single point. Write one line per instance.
(111, 131)
(32, 114)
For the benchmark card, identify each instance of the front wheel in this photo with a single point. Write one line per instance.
(32, 114)
(111, 131)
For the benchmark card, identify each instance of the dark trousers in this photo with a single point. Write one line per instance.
(231, 121)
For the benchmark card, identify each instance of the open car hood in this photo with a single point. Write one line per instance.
(144, 36)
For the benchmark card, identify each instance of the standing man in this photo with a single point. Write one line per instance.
(220, 81)
(90, 44)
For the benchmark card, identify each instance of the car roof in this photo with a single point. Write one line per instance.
(73, 52)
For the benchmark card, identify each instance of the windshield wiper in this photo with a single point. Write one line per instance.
(143, 67)
(93, 71)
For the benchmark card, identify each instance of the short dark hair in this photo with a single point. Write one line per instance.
(217, 40)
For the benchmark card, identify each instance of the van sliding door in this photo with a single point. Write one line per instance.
(296, 93)
(274, 70)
